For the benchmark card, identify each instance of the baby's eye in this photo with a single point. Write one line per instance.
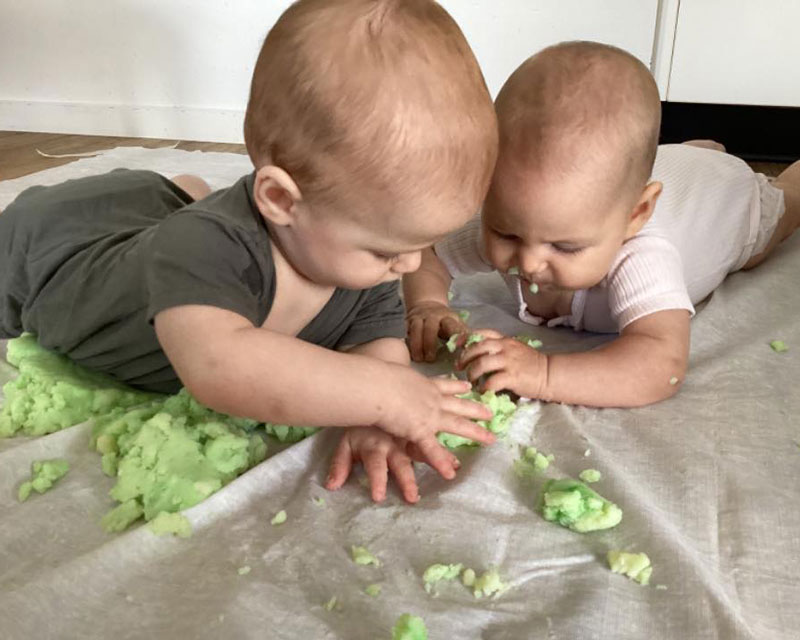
(567, 248)
(387, 257)
(506, 236)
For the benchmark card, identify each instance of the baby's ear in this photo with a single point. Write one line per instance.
(643, 209)
(276, 194)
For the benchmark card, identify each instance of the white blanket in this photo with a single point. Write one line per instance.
(709, 482)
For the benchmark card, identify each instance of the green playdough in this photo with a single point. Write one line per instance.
(468, 578)
(279, 518)
(171, 454)
(450, 296)
(439, 572)
(778, 346)
(513, 271)
(634, 565)
(243, 571)
(574, 505)
(464, 315)
(531, 342)
(503, 409)
(409, 627)
(473, 338)
(590, 475)
(361, 555)
(52, 393)
(489, 584)
(533, 288)
(451, 343)
(532, 462)
(44, 474)
(373, 590)
(331, 604)
(174, 523)
(286, 433)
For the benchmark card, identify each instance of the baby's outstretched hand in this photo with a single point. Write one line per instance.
(380, 454)
(427, 322)
(508, 364)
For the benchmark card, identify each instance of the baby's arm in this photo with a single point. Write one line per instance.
(233, 367)
(644, 365)
(427, 308)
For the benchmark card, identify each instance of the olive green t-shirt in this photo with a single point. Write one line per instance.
(87, 264)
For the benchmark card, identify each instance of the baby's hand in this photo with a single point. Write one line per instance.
(428, 321)
(421, 407)
(508, 363)
(380, 454)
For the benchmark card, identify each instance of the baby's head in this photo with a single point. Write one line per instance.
(372, 133)
(579, 125)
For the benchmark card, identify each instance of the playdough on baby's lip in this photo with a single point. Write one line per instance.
(409, 627)
(634, 565)
(44, 474)
(52, 393)
(502, 408)
(572, 504)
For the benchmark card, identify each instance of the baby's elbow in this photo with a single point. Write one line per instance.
(664, 381)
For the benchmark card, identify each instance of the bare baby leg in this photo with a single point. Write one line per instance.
(194, 186)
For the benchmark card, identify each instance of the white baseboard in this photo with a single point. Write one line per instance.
(174, 123)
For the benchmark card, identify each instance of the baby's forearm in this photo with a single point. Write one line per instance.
(631, 371)
(386, 349)
(276, 378)
(429, 283)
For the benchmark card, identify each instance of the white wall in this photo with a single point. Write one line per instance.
(181, 68)
(737, 52)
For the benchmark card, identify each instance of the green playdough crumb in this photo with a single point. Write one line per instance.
(468, 577)
(243, 571)
(52, 393)
(409, 627)
(778, 346)
(44, 474)
(320, 502)
(531, 342)
(590, 475)
(450, 296)
(373, 590)
(531, 462)
(279, 518)
(464, 315)
(451, 343)
(489, 584)
(286, 433)
(174, 523)
(634, 565)
(473, 338)
(574, 505)
(362, 556)
(331, 604)
(534, 288)
(673, 381)
(502, 408)
(171, 454)
(439, 572)
(513, 271)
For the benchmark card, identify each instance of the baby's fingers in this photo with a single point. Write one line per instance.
(478, 349)
(415, 342)
(430, 338)
(469, 429)
(437, 456)
(451, 387)
(451, 325)
(485, 364)
(400, 466)
(374, 462)
(466, 408)
(341, 465)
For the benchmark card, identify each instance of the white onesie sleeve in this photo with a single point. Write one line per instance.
(461, 250)
(646, 277)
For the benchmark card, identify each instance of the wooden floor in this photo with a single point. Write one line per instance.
(19, 156)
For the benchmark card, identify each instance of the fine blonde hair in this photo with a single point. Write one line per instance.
(385, 93)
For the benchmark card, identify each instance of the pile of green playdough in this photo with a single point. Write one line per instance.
(170, 455)
(502, 408)
(53, 393)
(572, 504)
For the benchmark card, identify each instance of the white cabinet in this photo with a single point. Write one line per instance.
(736, 52)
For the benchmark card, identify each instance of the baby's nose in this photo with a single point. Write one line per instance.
(533, 262)
(407, 262)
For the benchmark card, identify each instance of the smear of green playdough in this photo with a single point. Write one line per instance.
(171, 454)
(572, 504)
(279, 518)
(502, 408)
(439, 572)
(531, 342)
(52, 393)
(489, 584)
(590, 475)
(473, 338)
(361, 555)
(373, 590)
(634, 565)
(174, 523)
(778, 346)
(409, 627)
(44, 474)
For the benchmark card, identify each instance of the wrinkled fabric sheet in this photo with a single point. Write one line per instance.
(709, 482)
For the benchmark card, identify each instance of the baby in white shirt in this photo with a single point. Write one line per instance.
(594, 226)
